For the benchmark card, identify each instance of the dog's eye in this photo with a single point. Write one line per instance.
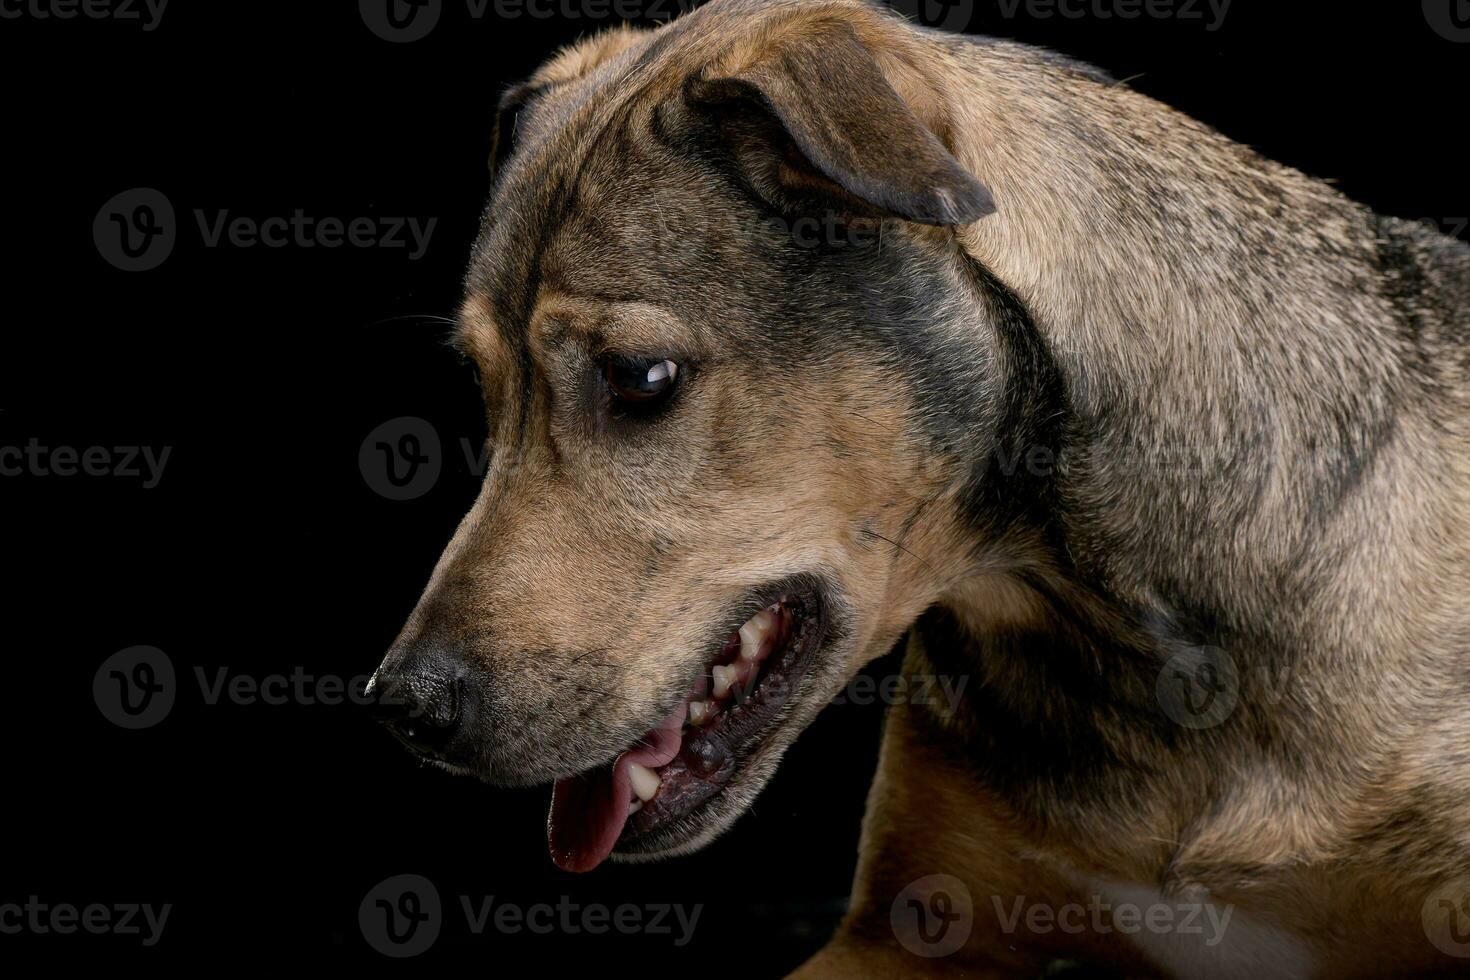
(640, 382)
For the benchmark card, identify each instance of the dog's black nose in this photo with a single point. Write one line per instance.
(421, 699)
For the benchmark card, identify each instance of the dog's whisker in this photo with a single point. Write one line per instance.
(911, 554)
(423, 317)
(885, 428)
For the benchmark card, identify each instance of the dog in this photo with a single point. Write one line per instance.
(804, 332)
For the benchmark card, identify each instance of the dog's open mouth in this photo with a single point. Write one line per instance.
(696, 751)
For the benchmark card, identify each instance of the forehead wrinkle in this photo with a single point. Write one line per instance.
(580, 113)
(577, 113)
(609, 325)
(582, 108)
(478, 335)
(510, 266)
(538, 193)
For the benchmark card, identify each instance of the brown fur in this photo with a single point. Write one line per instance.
(1148, 294)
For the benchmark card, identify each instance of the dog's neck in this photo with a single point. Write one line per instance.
(1045, 670)
(1161, 309)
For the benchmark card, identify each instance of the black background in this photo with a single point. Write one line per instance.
(263, 549)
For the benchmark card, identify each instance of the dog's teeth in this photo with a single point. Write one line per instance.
(645, 781)
(753, 633)
(634, 807)
(700, 712)
(725, 678)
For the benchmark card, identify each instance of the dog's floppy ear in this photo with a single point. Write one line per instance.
(830, 98)
(507, 114)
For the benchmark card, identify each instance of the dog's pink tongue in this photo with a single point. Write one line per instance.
(588, 811)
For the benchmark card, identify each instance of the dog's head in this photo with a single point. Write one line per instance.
(713, 310)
